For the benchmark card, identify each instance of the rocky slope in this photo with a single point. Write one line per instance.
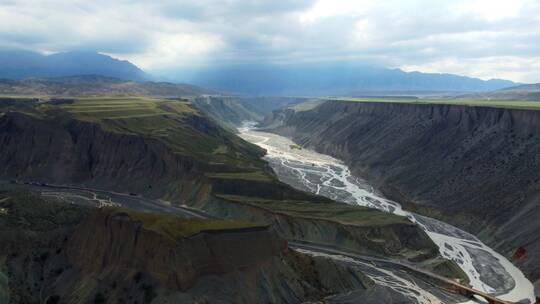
(60, 253)
(232, 111)
(135, 145)
(77, 152)
(169, 150)
(475, 167)
(227, 111)
(317, 222)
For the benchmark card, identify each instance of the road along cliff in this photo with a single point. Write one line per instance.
(474, 167)
(54, 252)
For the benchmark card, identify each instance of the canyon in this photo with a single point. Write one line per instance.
(473, 167)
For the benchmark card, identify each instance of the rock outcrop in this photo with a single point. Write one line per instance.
(475, 167)
(113, 242)
(169, 150)
(64, 150)
(111, 255)
(77, 152)
(399, 240)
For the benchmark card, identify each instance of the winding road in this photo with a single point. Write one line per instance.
(339, 254)
(403, 277)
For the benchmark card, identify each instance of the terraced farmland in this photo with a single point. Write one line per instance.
(175, 123)
(115, 108)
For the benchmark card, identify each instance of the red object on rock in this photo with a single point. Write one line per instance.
(520, 253)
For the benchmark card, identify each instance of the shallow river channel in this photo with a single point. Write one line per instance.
(308, 170)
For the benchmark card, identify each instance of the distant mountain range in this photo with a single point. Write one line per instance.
(95, 85)
(527, 92)
(260, 79)
(24, 64)
(331, 79)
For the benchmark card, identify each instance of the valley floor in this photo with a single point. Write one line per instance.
(307, 170)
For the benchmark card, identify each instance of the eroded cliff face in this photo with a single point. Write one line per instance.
(63, 150)
(69, 151)
(399, 240)
(112, 242)
(115, 257)
(474, 167)
(246, 265)
(110, 256)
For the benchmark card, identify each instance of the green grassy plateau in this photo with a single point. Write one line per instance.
(175, 228)
(175, 123)
(342, 213)
(226, 159)
(511, 104)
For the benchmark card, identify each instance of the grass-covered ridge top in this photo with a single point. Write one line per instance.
(111, 108)
(510, 104)
(252, 176)
(175, 228)
(173, 122)
(329, 210)
(307, 105)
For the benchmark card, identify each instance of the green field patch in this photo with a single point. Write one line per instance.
(332, 211)
(98, 115)
(510, 104)
(177, 107)
(106, 99)
(221, 149)
(251, 176)
(96, 109)
(175, 228)
(293, 147)
(446, 268)
(177, 124)
(307, 105)
(99, 109)
(78, 107)
(150, 124)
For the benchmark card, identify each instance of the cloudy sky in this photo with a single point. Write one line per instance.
(481, 38)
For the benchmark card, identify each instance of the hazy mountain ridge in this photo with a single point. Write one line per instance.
(527, 92)
(331, 79)
(24, 64)
(254, 79)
